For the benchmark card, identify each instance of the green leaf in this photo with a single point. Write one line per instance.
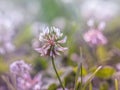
(52, 87)
(106, 72)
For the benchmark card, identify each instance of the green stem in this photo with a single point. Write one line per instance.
(77, 76)
(78, 71)
(53, 63)
(81, 76)
(116, 84)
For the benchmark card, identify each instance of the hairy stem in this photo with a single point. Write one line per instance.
(53, 63)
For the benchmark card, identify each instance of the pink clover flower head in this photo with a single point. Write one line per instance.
(19, 67)
(52, 41)
(24, 81)
(95, 37)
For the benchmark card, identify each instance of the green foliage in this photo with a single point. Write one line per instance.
(106, 72)
(52, 87)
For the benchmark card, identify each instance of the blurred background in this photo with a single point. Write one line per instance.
(93, 25)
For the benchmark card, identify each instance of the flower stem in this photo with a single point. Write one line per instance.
(77, 76)
(81, 76)
(116, 84)
(90, 86)
(78, 71)
(53, 63)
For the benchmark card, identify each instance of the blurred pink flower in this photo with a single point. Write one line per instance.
(24, 81)
(95, 37)
(51, 40)
(29, 83)
(19, 67)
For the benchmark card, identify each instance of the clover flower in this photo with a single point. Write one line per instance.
(24, 81)
(51, 40)
(19, 67)
(95, 37)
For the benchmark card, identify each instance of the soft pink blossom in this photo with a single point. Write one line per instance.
(24, 81)
(95, 37)
(19, 67)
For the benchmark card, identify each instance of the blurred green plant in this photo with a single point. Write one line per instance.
(106, 72)
(52, 87)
